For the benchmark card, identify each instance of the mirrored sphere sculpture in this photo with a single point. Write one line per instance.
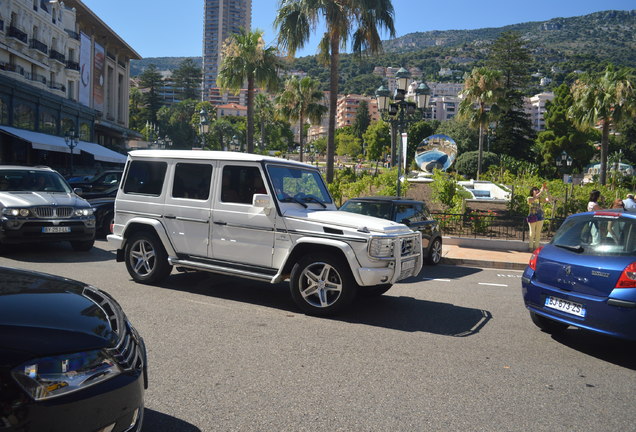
(436, 151)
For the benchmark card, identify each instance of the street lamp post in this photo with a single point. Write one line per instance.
(400, 112)
(71, 138)
(564, 160)
(203, 125)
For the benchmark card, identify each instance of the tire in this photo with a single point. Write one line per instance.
(107, 223)
(146, 259)
(82, 246)
(435, 252)
(546, 324)
(374, 291)
(321, 285)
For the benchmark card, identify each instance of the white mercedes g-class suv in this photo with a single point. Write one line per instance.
(255, 217)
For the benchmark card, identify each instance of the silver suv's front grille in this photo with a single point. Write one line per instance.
(53, 212)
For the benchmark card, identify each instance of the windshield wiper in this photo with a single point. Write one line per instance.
(292, 199)
(577, 248)
(310, 198)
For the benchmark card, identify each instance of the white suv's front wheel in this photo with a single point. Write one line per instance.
(321, 285)
(146, 258)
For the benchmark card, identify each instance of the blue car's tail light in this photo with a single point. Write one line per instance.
(533, 259)
(628, 277)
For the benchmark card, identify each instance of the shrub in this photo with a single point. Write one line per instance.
(466, 163)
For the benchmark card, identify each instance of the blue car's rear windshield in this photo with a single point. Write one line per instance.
(602, 233)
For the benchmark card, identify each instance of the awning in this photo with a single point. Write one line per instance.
(41, 141)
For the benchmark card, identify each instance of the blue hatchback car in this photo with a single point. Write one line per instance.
(586, 276)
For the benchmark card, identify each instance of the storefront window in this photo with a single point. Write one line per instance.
(85, 132)
(24, 115)
(48, 122)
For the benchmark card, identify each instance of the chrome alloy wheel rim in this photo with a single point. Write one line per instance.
(436, 252)
(320, 285)
(142, 257)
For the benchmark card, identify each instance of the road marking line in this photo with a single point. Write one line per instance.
(437, 280)
(492, 284)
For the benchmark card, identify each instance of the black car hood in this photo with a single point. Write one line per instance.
(42, 315)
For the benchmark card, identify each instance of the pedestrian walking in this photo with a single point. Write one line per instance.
(535, 214)
(629, 203)
(592, 204)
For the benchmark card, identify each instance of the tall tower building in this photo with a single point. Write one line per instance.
(221, 19)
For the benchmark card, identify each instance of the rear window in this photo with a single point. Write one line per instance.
(145, 178)
(369, 208)
(598, 234)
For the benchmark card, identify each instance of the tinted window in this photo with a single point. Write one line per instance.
(240, 183)
(192, 181)
(369, 208)
(405, 211)
(30, 180)
(145, 178)
(598, 235)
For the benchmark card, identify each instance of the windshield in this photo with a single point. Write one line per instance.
(370, 208)
(31, 181)
(598, 235)
(298, 184)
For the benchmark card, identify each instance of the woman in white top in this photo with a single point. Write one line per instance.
(592, 204)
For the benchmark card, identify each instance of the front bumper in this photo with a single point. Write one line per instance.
(17, 231)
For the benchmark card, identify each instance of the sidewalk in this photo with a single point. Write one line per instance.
(485, 253)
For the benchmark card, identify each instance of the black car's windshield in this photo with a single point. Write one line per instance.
(296, 184)
(599, 234)
(32, 181)
(370, 208)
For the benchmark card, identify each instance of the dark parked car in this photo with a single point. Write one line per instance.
(412, 213)
(69, 358)
(37, 205)
(104, 210)
(102, 182)
(586, 276)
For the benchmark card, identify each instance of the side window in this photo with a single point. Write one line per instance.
(192, 181)
(404, 211)
(145, 178)
(240, 183)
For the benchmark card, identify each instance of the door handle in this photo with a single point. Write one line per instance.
(170, 216)
(220, 223)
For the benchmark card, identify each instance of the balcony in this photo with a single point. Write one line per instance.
(73, 34)
(18, 34)
(35, 77)
(72, 65)
(57, 86)
(40, 46)
(58, 56)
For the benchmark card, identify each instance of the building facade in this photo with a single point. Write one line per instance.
(61, 69)
(348, 107)
(221, 19)
(535, 108)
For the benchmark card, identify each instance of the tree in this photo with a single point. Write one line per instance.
(264, 112)
(175, 121)
(187, 80)
(355, 20)
(150, 80)
(378, 140)
(362, 119)
(348, 145)
(514, 133)
(605, 99)
(301, 100)
(247, 59)
(481, 95)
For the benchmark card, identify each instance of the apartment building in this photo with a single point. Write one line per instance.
(535, 107)
(221, 19)
(347, 109)
(61, 69)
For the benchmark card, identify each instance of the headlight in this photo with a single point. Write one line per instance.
(83, 212)
(15, 212)
(51, 377)
(381, 247)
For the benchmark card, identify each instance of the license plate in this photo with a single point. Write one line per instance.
(408, 265)
(565, 306)
(56, 229)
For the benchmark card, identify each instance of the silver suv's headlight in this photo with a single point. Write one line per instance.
(51, 377)
(15, 212)
(381, 247)
(83, 211)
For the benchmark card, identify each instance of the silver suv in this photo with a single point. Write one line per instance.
(37, 205)
(255, 217)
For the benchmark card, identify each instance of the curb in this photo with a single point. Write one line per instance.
(483, 263)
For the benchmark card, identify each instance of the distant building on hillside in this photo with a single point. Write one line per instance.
(535, 107)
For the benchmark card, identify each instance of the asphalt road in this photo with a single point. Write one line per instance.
(452, 349)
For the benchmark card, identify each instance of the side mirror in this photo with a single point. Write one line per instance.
(406, 222)
(263, 201)
(77, 191)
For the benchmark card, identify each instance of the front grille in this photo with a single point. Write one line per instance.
(127, 350)
(409, 246)
(52, 212)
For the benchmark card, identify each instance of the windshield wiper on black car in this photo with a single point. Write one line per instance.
(310, 198)
(292, 199)
(577, 248)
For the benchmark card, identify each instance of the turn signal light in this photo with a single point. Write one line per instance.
(533, 258)
(628, 277)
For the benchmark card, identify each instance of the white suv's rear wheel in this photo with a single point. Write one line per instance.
(321, 285)
(146, 259)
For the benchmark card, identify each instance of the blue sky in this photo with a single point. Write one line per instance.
(162, 28)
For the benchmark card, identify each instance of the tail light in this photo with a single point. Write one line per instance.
(628, 277)
(533, 258)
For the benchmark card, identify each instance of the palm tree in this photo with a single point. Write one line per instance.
(264, 110)
(483, 91)
(606, 99)
(247, 59)
(301, 101)
(357, 20)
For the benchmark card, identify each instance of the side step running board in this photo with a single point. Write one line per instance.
(221, 270)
